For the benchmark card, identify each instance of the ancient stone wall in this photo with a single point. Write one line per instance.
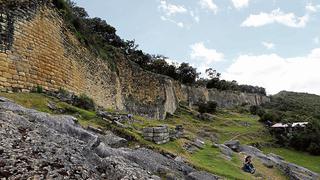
(36, 49)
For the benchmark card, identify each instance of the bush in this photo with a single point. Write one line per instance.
(39, 89)
(257, 110)
(209, 107)
(84, 102)
(314, 149)
(254, 109)
(270, 116)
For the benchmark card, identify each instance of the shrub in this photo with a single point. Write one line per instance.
(84, 102)
(314, 149)
(39, 89)
(209, 107)
(254, 109)
(270, 116)
(257, 110)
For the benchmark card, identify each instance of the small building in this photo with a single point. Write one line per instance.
(290, 125)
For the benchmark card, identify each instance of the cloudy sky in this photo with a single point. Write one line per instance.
(269, 43)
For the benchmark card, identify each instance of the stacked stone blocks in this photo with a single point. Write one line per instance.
(158, 134)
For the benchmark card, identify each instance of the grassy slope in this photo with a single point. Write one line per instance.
(300, 158)
(226, 125)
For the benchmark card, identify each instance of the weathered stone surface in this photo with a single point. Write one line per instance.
(41, 51)
(225, 150)
(198, 143)
(158, 134)
(44, 146)
(234, 145)
(293, 171)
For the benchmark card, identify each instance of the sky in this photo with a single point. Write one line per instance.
(270, 43)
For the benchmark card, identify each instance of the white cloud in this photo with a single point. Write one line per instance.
(276, 16)
(195, 17)
(209, 4)
(238, 4)
(200, 52)
(312, 8)
(268, 45)
(171, 9)
(179, 24)
(277, 73)
(316, 40)
(204, 57)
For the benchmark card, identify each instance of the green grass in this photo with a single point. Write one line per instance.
(30, 100)
(300, 158)
(226, 125)
(210, 159)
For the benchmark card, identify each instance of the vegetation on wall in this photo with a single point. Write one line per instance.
(101, 38)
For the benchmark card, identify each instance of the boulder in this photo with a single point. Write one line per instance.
(233, 144)
(198, 143)
(226, 151)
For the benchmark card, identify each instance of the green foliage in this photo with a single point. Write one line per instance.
(39, 89)
(298, 106)
(270, 116)
(85, 102)
(257, 110)
(187, 74)
(209, 107)
(314, 148)
(307, 139)
(224, 85)
(289, 107)
(101, 38)
(70, 109)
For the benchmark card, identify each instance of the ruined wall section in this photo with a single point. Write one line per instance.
(36, 49)
(44, 53)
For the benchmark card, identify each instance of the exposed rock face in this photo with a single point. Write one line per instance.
(38, 145)
(293, 171)
(42, 51)
(234, 145)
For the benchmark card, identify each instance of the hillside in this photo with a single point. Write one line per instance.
(296, 104)
(223, 126)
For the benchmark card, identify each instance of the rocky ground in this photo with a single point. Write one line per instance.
(292, 171)
(38, 145)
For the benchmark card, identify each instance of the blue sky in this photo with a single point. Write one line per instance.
(270, 43)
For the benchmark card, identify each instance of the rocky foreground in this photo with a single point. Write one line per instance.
(38, 145)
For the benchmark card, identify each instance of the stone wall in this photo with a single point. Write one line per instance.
(36, 49)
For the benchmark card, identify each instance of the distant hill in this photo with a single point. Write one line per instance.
(295, 104)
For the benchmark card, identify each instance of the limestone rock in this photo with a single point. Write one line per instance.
(234, 145)
(43, 146)
(225, 150)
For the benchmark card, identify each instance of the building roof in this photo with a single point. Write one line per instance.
(281, 125)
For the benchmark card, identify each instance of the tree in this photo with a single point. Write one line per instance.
(187, 74)
(212, 73)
